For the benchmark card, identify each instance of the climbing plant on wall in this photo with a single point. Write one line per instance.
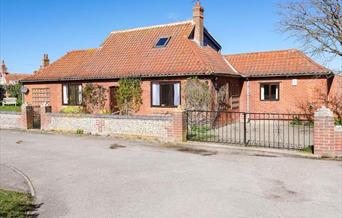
(128, 95)
(197, 94)
(94, 98)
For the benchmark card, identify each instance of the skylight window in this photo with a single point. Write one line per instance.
(162, 42)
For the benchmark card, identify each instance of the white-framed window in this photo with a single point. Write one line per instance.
(269, 91)
(72, 94)
(294, 82)
(165, 94)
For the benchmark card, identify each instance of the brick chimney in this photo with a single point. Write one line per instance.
(46, 60)
(198, 19)
(3, 67)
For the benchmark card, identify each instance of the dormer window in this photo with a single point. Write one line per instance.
(162, 42)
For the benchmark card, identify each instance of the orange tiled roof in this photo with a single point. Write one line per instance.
(131, 53)
(275, 63)
(15, 76)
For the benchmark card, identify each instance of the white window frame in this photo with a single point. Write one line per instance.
(262, 91)
(156, 94)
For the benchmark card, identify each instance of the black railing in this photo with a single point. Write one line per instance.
(289, 131)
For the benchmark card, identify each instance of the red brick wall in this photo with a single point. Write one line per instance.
(289, 96)
(336, 86)
(179, 126)
(327, 137)
(146, 107)
(56, 96)
(338, 140)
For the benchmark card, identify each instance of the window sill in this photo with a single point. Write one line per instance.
(72, 105)
(268, 100)
(164, 107)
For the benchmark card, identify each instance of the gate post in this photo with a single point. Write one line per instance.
(179, 125)
(327, 137)
(244, 129)
(44, 119)
(26, 116)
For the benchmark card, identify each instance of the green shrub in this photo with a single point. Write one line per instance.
(338, 122)
(200, 133)
(199, 129)
(79, 131)
(308, 149)
(2, 92)
(14, 90)
(72, 110)
(296, 121)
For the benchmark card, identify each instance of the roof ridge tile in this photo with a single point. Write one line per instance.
(263, 52)
(152, 27)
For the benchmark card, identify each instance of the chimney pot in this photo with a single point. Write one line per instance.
(3, 67)
(46, 60)
(198, 18)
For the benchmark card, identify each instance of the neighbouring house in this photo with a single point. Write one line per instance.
(164, 56)
(7, 78)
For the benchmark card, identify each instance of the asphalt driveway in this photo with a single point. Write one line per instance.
(81, 177)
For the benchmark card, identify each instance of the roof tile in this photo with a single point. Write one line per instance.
(132, 53)
(275, 63)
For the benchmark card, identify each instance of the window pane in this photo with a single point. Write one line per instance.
(155, 94)
(65, 94)
(79, 97)
(176, 100)
(72, 94)
(267, 92)
(162, 42)
(274, 92)
(166, 92)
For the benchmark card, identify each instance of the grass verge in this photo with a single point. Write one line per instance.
(15, 204)
(10, 108)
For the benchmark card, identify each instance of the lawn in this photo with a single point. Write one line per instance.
(10, 108)
(15, 204)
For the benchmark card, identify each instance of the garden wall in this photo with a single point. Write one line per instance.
(10, 120)
(163, 127)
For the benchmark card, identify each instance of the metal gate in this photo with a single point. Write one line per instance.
(273, 130)
(36, 117)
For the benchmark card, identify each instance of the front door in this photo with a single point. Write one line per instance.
(113, 102)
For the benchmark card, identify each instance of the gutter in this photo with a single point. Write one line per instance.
(115, 77)
(290, 75)
(133, 76)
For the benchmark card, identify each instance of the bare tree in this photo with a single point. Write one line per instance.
(316, 23)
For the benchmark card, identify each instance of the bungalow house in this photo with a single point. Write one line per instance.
(164, 56)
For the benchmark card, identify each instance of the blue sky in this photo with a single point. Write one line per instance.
(30, 28)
